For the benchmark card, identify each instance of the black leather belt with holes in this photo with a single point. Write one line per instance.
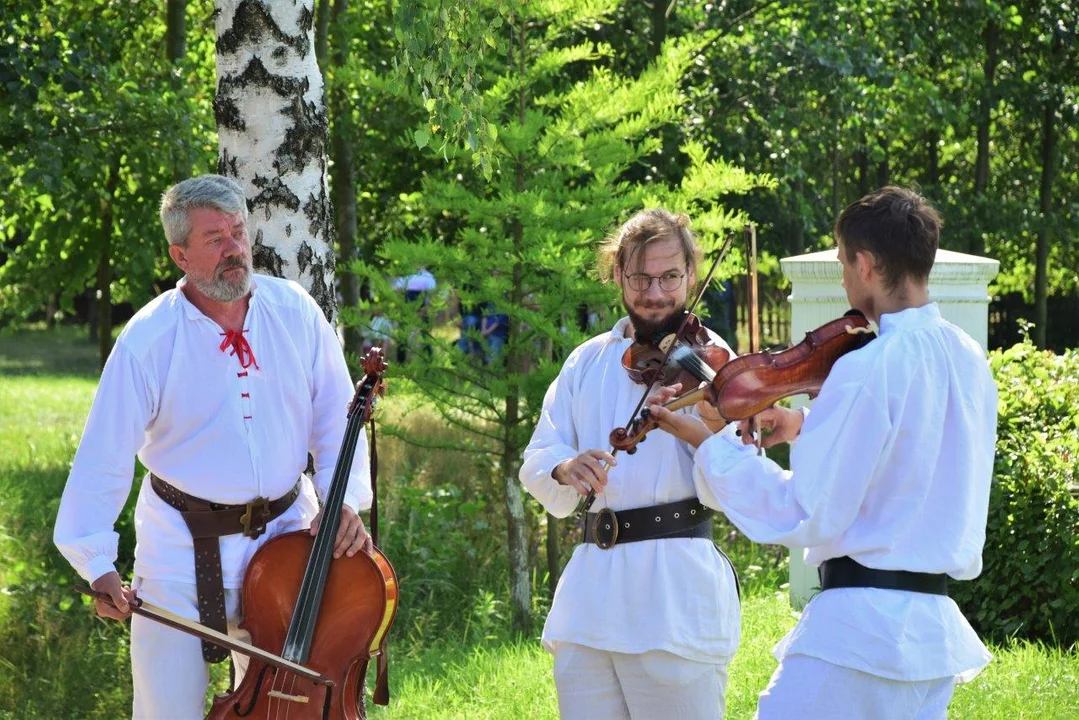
(682, 519)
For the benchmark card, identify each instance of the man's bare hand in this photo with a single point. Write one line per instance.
(683, 426)
(122, 597)
(664, 394)
(776, 425)
(585, 472)
(352, 536)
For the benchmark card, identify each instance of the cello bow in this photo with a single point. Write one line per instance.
(165, 617)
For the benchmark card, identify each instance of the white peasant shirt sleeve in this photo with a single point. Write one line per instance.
(104, 466)
(832, 466)
(553, 442)
(332, 391)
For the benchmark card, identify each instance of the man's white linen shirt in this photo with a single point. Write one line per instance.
(676, 595)
(892, 468)
(213, 429)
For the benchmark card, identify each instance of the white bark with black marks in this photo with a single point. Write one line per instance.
(272, 127)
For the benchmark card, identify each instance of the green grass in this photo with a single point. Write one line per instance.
(513, 680)
(56, 661)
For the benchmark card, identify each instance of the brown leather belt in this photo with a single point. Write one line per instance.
(207, 521)
(682, 519)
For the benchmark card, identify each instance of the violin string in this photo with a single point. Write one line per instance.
(692, 363)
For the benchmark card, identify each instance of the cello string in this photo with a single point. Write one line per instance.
(325, 541)
(323, 545)
(304, 600)
(285, 689)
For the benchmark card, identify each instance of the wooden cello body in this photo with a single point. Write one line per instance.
(328, 615)
(358, 606)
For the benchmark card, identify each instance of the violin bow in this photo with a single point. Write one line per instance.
(749, 236)
(591, 497)
(163, 616)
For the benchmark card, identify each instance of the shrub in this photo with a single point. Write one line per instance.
(441, 530)
(1029, 586)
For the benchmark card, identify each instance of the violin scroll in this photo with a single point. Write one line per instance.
(627, 439)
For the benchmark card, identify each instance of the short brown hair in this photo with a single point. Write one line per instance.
(647, 226)
(898, 226)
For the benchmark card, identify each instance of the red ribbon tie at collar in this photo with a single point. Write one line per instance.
(240, 348)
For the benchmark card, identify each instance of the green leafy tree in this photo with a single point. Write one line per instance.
(372, 162)
(973, 100)
(441, 46)
(96, 125)
(523, 244)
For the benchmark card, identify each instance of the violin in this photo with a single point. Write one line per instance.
(743, 387)
(646, 363)
(329, 615)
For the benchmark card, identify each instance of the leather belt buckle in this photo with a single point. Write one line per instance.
(255, 517)
(605, 530)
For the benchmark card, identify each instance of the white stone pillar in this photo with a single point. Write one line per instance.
(958, 283)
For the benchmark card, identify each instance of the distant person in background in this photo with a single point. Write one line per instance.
(470, 324)
(379, 333)
(495, 330)
(416, 286)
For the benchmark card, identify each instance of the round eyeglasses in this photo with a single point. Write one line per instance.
(668, 281)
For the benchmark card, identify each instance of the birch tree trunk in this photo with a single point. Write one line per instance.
(271, 121)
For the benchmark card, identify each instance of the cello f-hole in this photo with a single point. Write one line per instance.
(254, 697)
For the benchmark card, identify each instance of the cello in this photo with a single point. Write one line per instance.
(329, 615)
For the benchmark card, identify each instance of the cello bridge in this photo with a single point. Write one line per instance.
(291, 698)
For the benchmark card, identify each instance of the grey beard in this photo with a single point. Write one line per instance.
(222, 290)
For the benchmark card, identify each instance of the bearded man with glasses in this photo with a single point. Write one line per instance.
(644, 623)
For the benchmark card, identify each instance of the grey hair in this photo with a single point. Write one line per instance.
(212, 191)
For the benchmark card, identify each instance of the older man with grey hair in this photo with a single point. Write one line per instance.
(221, 387)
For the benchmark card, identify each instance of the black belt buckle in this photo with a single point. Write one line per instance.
(605, 529)
(255, 517)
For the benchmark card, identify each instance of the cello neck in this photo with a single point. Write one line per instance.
(301, 630)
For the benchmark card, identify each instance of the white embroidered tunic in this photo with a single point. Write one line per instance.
(676, 595)
(201, 421)
(892, 468)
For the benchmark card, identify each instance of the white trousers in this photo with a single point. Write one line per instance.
(167, 669)
(600, 685)
(809, 688)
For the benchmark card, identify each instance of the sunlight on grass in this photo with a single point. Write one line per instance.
(486, 681)
(513, 680)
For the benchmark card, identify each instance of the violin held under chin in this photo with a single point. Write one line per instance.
(742, 387)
